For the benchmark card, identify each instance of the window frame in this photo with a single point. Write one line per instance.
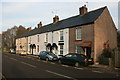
(80, 34)
(38, 38)
(61, 35)
(46, 37)
(78, 49)
(61, 49)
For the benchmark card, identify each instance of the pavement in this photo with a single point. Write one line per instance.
(105, 68)
(34, 56)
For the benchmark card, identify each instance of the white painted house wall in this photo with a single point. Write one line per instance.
(32, 41)
(41, 42)
(53, 37)
(17, 45)
(21, 42)
(56, 38)
(29, 45)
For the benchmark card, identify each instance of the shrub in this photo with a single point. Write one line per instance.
(106, 53)
(103, 60)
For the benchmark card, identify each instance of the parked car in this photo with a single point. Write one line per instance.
(23, 53)
(47, 56)
(59, 56)
(12, 51)
(76, 59)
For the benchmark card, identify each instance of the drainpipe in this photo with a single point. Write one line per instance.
(85, 51)
(52, 41)
(52, 37)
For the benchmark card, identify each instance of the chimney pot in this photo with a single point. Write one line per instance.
(55, 19)
(83, 10)
(40, 25)
(29, 29)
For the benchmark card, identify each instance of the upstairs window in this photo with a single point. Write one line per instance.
(61, 36)
(78, 34)
(46, 37)
(38, 37)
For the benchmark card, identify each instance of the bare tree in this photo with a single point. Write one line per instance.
(9, 36)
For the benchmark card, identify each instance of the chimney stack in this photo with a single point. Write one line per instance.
(83, 10)
(29, 29)
(40, 25)
(55, 19)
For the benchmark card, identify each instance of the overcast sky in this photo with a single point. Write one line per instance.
(29, 14)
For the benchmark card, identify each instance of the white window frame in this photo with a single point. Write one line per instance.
(46, 37)
(79, 35)
(61, 49)
(61, 35)
(38, 38)
(78, 47)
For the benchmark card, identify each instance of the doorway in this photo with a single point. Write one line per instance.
(88, 52)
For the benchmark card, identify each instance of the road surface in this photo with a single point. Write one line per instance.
(16, 66)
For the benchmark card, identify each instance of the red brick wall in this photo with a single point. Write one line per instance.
(104, 30)
(87, 36)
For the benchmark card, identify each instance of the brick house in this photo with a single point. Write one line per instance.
(85, 33)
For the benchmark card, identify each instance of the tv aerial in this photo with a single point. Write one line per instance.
(86, 3)
(55, 12)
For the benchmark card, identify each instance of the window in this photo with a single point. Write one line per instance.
(74, 55)
(78, 34)
(68, 55)
(78, 49)
(30, 39)
(61, 35)
(61, 49)
(46, 37)
(37, 48)
(38, 37)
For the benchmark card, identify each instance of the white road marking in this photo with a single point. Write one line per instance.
(52, 63)
(97, 71)
(79, 68)
(2, 76)
(44, 61)
(65, 65)
(14, 59)
(38, 60)
(29, 64)
(60, 75)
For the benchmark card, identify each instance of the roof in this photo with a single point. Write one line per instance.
(74, 21)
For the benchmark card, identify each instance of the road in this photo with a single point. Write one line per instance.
(16, 66)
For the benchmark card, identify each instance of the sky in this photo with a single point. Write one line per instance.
(29, 13)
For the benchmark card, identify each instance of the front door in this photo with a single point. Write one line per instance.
(88, 52)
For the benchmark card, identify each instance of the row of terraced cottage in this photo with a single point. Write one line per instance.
(85, 34)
